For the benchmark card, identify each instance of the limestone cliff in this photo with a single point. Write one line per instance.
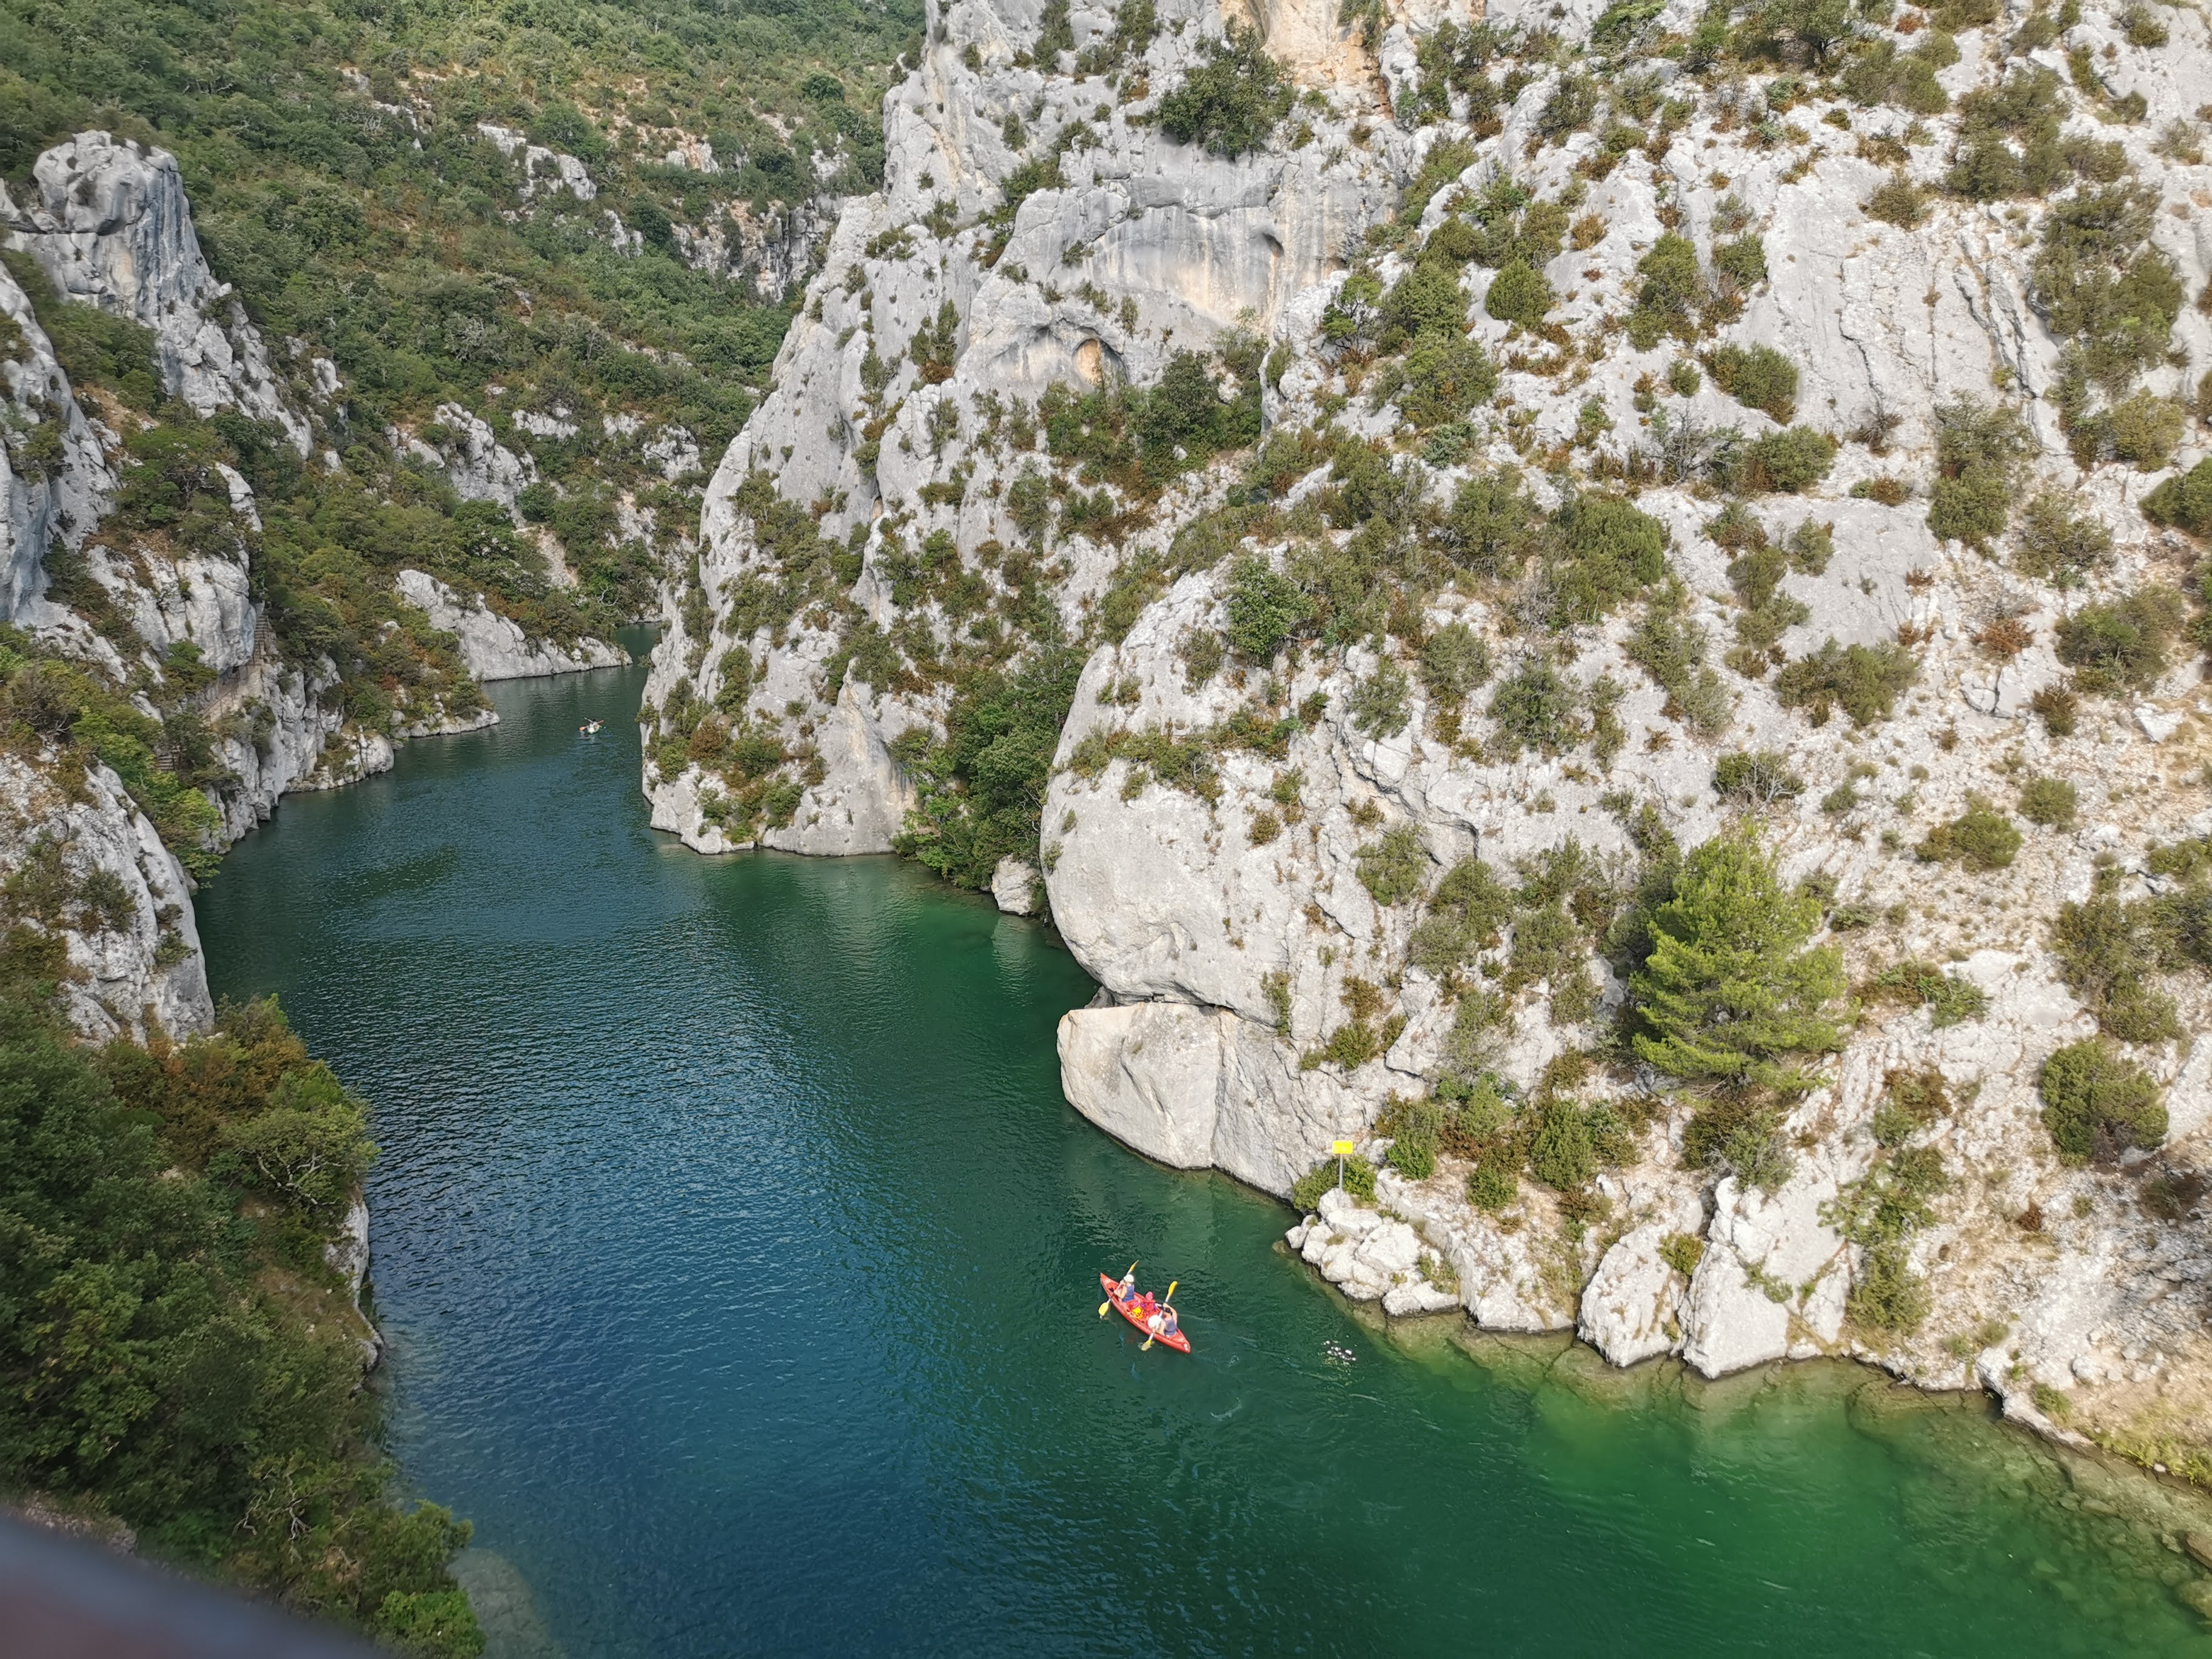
(1820, 305)
(167, 618)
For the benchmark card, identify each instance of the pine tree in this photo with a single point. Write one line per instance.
(1729, 991)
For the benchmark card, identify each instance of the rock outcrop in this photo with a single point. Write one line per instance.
(110, 226)
(495, 647)
(1217, 824)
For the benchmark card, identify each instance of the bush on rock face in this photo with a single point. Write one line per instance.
(1359, 1181)
(2121, 647)
(1232, 102)
(2097, 1103)
(1519, 294)
(1980, 836)
(1264, 608)
(2184, 501)
(1394, 868)
(1758, 378)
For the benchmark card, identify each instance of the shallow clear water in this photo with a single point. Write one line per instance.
(740, 1260)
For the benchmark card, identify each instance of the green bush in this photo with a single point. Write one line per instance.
(1494, 1183)
(1949, 1000)
(1493, 525)
(1673, 286)
(1359, 1181)
(1864, 681)
(1536, 706)
(1395, 867)
(1739, 1132)
(1898, 201)
(2097, 1104)
(1445, 377)
(1981, 837)
(1744, 262)
(1426, 299)
(1978, 453)
(2109, 954)
(2055, 544)
(1731, 992)
(1520, 293)
(1789, 462)
(2184, 501)
(2052, 803)
(1467, 915)
(1378, 702)
(1232, 102)
(1758, 778)
(1265, 607)
(1603, 552)
(2121, 646)
(1454, 662)
(2103, 290)
(1759, 378)
(1886, 1294)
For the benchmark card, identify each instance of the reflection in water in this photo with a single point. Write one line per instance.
(740, 1260)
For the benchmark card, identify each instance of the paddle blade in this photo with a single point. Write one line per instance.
(1101, 1309)
(1148, 1347)
(1172, 1282)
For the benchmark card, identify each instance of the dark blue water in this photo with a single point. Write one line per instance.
(739, 1257)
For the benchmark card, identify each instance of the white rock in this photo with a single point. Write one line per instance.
(1013, 887)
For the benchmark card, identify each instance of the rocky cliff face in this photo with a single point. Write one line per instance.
(1821, 306)
(169, 622)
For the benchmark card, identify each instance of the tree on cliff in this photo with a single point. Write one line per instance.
(1730, 993)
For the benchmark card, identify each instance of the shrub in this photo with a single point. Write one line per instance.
(1886, 1294)
(1672, 286)
(1520, 293)
(2052, 803)
(1467, 915)
(2058, 710)
(1359, 1181)
(1898, 201)
(1394, 868)
(1948, 999)
(2055, 544)
(1760, 777)
(1426, 299)
(1562, 1156)
(1494, 1183)
(2121, 646)
(1741, 1133)
(1980, 836)
(1604, 551)
(2184, 501)
(1445, 376)
(1760, 378)
(2108, 954)
(1789, 462)
(1744, 262)
(1454, 662)
(1535, 707)
(1979, 451)
(2103, 290)
(1231, 103)
(1378, 702)
(1865, 681)
(1731, 992)
(1264, 608)
(1492, 526)
(2097, 1104)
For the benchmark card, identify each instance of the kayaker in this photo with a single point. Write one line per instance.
(1167, 1322)
(1128, 1287)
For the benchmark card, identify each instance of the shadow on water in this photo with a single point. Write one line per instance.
(738, 1255)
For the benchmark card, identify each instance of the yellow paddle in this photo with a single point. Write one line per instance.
(1172, 1282)
(1109, 1302)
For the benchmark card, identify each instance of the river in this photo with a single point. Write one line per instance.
(739, 1259)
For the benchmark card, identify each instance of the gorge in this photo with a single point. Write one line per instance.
(1606, 603)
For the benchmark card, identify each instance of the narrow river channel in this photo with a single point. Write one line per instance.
(739, 1258)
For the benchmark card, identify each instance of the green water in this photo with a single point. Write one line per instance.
(740, 1258)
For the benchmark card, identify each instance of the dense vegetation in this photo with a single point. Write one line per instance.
(175, 1352)
(338, 178)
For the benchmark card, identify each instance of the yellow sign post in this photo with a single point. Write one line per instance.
(1343, 1150)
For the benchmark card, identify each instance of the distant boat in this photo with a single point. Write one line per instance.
(591, 728)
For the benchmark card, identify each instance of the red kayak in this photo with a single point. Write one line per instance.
(1135, 1315)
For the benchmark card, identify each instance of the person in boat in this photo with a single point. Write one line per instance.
(1127, 1290)
(1167, 1321)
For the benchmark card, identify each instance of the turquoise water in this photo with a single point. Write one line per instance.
(739, 1258)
